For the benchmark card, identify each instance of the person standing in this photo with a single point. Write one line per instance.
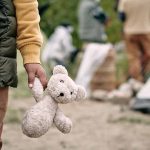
(19, 25)
(98, 52)
(59, 47)
(92, 20)
(135, 15)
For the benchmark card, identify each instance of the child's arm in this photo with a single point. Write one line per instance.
(29, 38)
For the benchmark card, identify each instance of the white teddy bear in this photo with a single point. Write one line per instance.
(60, 89)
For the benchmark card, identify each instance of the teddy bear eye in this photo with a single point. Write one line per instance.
(62, 81)
(71, 93)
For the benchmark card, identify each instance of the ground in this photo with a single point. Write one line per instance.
(96, 126)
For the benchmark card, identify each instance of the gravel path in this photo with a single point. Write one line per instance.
(96, 126)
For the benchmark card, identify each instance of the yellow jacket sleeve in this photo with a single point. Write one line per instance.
(29, 38)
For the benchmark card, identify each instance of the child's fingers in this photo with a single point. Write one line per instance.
(31, 77)
(42, 77)
(36, 70)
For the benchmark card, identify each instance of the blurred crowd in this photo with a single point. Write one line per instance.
(97, 69)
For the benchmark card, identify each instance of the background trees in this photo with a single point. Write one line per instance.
(66, 10)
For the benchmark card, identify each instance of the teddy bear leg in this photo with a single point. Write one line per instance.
(62, 122)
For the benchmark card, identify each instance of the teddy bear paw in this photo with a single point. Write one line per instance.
(65, 125)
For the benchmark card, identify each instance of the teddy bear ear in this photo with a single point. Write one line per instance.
(81, 94)
(59, 69)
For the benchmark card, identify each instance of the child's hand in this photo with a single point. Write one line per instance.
(35, 70)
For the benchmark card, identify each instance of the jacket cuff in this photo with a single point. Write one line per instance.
(30, 53)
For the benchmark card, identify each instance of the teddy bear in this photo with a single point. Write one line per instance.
(60, 89)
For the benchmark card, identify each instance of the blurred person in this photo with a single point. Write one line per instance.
(135, 15)
(59, 49)
(19, 25)
(136, 32)
(92, 21)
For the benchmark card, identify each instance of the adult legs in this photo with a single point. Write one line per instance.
(134, 56)
(145, 40)
(3, 108)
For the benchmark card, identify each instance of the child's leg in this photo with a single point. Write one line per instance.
(3, 107)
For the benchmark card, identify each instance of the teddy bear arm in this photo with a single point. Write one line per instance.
(62, 122)
(37, 90)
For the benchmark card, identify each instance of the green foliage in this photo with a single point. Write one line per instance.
(114, 28)
(121, 67)
(61, 10)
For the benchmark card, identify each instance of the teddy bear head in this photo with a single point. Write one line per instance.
(62, 88)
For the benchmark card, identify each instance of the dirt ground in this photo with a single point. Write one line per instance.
(96, 126)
